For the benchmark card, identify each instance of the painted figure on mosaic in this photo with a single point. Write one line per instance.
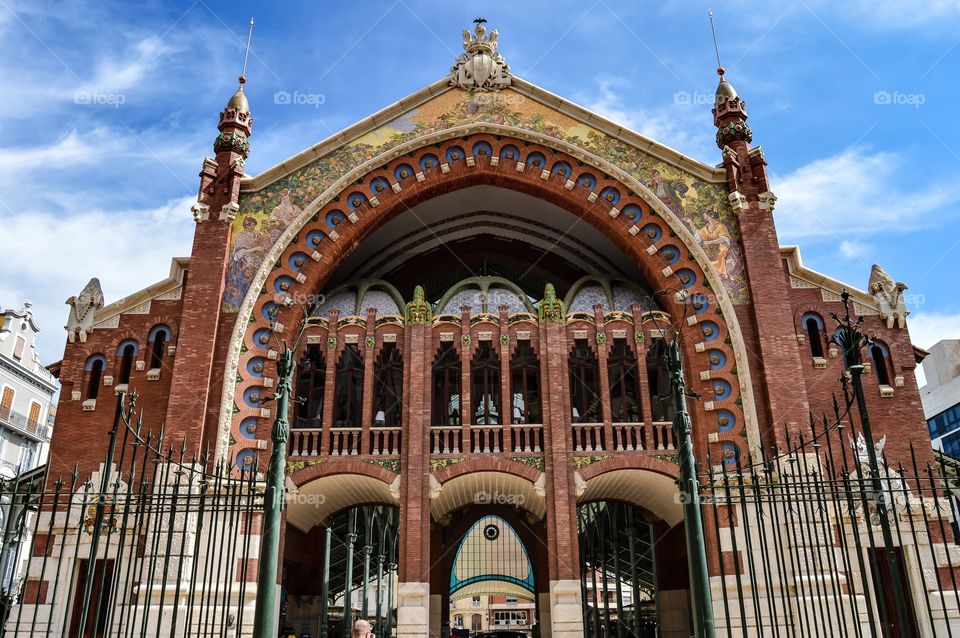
(715, 240)
(669, 193)
(248, 251)
(277, 206)
(286, 211)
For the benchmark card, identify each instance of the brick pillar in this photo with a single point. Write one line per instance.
(413, 593)
(643, 381)
(778, 361)
(506, 407)
(466, 353)
(329, 381)
(562, 543)
(604, 371)
(779, 364)
(369, 380)
(195, 378)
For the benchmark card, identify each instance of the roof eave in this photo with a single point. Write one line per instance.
(528, 89)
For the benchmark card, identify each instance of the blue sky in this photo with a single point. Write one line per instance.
(107, 110)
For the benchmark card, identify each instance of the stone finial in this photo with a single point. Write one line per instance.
(418, 311)
(888, 295)
(551, 308)
(83, 307)
(480, 67)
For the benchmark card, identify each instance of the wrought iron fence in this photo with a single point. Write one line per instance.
(811, 542)
(155, 541)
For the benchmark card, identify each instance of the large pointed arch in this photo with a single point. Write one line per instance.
(689, 269)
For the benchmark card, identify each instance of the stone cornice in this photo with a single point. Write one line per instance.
(27, 375)
(801, 274)
(178, 267)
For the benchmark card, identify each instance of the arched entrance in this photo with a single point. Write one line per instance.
(633, 565)
(491, 579)
(341, 548)
(342, 571)
(490, 564)
(488, 325)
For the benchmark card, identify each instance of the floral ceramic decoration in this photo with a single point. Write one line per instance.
(703, 207)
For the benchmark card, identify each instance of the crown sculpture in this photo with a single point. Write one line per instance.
(480, 67)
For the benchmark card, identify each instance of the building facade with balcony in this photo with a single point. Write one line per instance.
(27, 412)
(27, 389)
(487, 277)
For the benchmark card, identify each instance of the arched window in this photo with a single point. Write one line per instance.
(880, 355)
(525, 385)
(584, 384)
(94, 369)
(388, 387)
(126, 351)
(158, 338)
(622, 370)
(348, 393)
(813, 326)
(485, 373)
(658, 377)
(446, 386)
(311, 377)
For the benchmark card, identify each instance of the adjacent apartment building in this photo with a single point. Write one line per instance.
(941, 396)
(27, 411)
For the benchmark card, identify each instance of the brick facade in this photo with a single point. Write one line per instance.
(762, 341)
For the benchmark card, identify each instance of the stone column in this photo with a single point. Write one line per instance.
(369, 379)
(564, 607)
(413, 591)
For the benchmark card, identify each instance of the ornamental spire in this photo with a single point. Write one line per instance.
(729, 111)
(235, 122)
(220, 177)
(480, 67)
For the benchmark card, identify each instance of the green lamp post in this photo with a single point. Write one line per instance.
(851, 338)
(689, 487)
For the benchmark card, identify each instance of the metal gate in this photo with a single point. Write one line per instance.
(157, 541)
(810, 542)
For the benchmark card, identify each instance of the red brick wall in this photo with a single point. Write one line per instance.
(80, 438)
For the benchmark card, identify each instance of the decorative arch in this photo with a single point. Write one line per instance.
(483, 284)
(654, 490)
(487, 464)
(320, 491)
(498, 554)
(685, 268)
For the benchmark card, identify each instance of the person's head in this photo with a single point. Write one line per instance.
(361, 629)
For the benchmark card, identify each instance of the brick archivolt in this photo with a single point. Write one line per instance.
(658, 243)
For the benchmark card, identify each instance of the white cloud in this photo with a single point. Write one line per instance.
(926, 329)
(853, 249)
(684, 125)
(855, 193)
(47, 258)
(115, 75)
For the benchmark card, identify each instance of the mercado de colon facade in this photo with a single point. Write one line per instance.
(492, 274)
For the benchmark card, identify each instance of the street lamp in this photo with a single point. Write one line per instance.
(851, 338)
(702, 599)
(269, 559)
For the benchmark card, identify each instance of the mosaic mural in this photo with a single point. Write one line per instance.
(264, 214)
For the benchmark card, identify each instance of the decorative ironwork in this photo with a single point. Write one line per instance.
(158, 541)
